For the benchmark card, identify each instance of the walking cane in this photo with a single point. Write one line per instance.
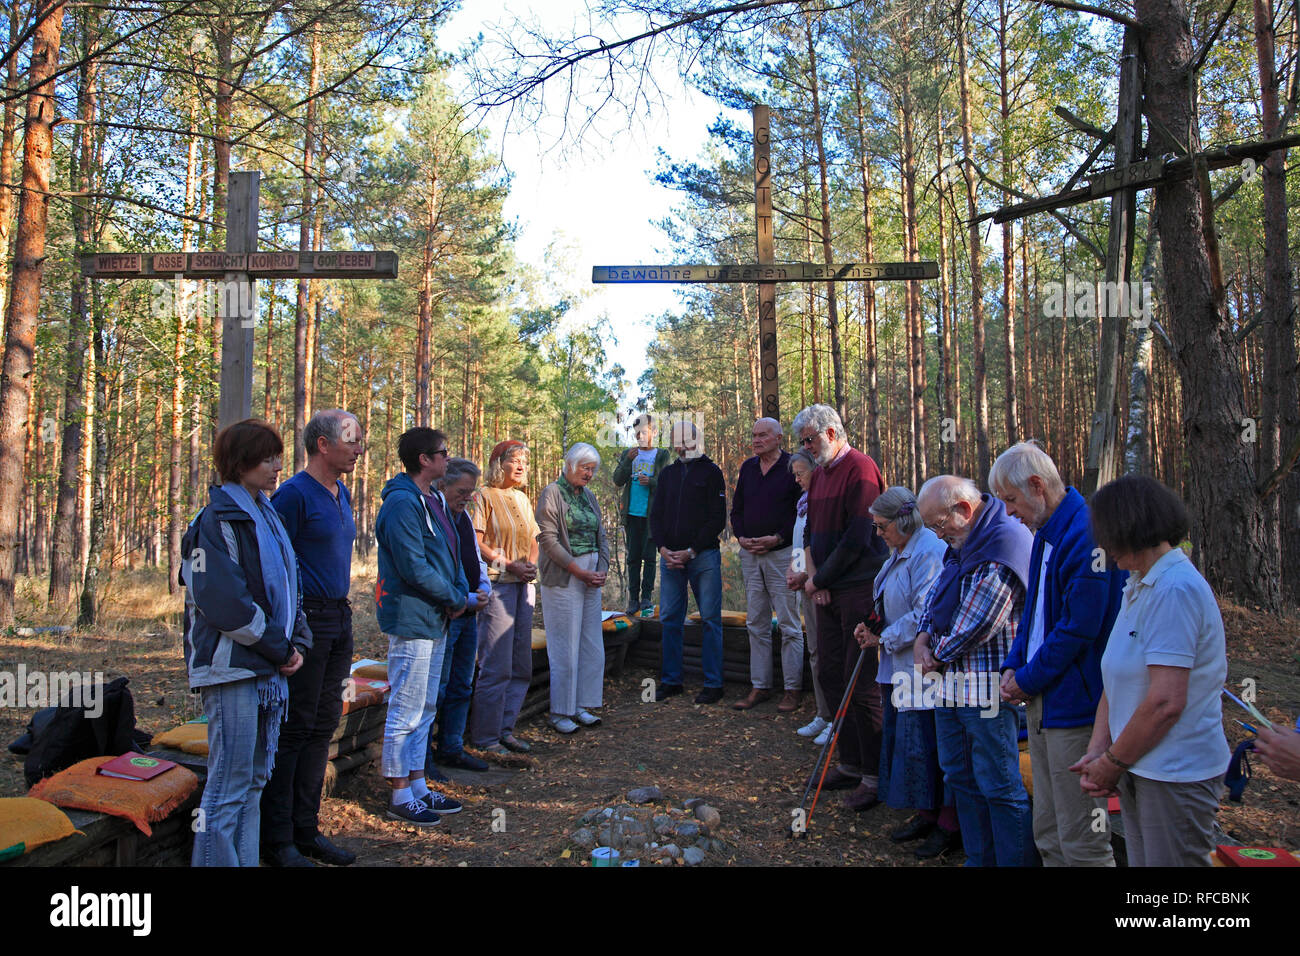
(827, 749)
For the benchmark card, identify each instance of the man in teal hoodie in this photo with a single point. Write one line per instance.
(421, 587)
(637, 473)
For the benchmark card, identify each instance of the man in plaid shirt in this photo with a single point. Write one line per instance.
(966, 630)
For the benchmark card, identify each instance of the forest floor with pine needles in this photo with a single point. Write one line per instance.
(750, 766)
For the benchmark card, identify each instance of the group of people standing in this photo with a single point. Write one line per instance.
(268, 627)
(941, 625)
(949, 623)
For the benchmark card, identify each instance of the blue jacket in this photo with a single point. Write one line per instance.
(1079, 608)
(420, 574)
(230, 634)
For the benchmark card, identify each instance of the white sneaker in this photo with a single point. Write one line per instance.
(563, 724)
(813, 729)
(823, 737)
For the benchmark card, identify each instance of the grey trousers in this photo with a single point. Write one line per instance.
(825, 710)
(505, 662)
(1168, 824)
(766, 593)
(1067, 831)
(575, 645)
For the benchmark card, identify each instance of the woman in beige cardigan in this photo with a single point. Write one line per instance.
(573, 560)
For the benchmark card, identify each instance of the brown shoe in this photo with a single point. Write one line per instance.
(756, 696)
(862, 798)
(789, 702)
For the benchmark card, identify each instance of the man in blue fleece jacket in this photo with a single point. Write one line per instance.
(420, 587)
(1054, 665)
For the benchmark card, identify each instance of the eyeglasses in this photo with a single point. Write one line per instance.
(881, 525)
(439, 451)
(809, 440)
(938, 527)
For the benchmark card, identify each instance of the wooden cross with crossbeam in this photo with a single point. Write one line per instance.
(766, 271)
(239, 267)
(1121, 184)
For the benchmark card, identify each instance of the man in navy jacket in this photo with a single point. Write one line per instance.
(1054, 665)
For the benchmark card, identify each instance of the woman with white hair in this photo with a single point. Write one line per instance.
(574, 560)
(910, 776)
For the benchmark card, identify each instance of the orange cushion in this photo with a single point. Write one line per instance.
(620, 623)
(191, 737)
(377, 671)
(140, 801)
(364, 692)
(1025, 773)
(26, 823)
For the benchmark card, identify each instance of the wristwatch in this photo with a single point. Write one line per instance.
(691, 552)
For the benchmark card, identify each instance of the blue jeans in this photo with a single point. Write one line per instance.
(414, 669)
(982, 768)
(704, 574)
(456, 686)
(232, 797)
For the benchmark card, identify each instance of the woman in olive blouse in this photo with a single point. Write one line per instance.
(573, 561)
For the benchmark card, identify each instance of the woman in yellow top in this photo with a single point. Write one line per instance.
(507, 532)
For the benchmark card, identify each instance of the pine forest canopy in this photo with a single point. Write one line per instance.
(898, 128)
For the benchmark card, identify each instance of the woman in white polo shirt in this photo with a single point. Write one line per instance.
(1158, 739)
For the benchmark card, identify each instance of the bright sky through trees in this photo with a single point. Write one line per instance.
(596, 198)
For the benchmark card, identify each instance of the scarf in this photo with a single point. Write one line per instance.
(280, 576)
(801, 509)
(995, 537)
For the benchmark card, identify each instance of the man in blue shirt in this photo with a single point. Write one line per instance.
(317, 512)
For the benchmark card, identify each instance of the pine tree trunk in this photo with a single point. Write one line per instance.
(1008, 235)
(1280, 425)
(63, 558)
(980, 384)
(10, 128)
(302, 319)
(828, 254)
(24, 301)
(1229, 529)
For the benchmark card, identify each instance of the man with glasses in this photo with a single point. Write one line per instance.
(762, 519)
(456, 685)
(420, 588)
(688, 515)
(316, 510)
(967, 628)
(843, 556)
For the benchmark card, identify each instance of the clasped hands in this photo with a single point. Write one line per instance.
(769, 542)
(817, 595)
(593, 579)
(524, 570)
(675, 559)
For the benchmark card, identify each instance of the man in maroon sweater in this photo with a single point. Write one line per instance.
(843, 556)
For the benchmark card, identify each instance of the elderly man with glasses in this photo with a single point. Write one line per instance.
(967, 628)
(843, 554)
(762, 518)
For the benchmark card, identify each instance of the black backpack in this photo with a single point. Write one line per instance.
(69, 735)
